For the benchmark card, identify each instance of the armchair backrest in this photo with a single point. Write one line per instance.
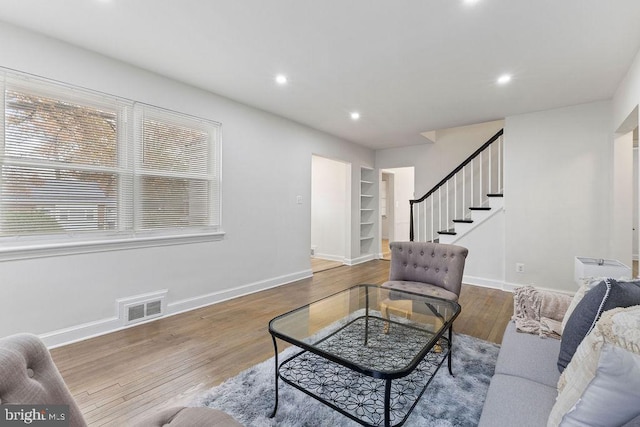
(438, 264)
(28, 376)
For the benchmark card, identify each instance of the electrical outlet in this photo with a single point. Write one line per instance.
(519, 267)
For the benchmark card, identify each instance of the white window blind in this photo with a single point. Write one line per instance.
(60, 166)
(177, 169)
(76, 163)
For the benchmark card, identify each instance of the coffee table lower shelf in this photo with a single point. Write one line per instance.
(358, 396)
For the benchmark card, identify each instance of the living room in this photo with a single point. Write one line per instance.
(564, 176)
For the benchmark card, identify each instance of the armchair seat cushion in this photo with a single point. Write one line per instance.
(420, 288)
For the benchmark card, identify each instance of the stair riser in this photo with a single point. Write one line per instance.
(461, 228)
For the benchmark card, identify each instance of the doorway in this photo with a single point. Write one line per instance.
(330, 201)
(386, 213)
(635, 204)
(396, 189)
(626, 196)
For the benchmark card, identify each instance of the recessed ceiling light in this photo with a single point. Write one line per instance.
(470, 2)
(355, 115)
(281, 79)
(504, 79)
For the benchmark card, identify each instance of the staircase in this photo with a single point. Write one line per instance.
(468, 196)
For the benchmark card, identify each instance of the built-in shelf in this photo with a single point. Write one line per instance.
(367, 210)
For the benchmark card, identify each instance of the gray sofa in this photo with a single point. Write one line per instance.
(524, 387)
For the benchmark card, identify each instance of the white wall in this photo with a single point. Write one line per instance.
(626, 99)
(621, 242)
(329, 208)
(625, 115)
(434, 161)
(266, 164)
(557, 192)
(635, 200)
(484, 265)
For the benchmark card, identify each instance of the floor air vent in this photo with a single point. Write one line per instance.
(135, 312)
(142, 307)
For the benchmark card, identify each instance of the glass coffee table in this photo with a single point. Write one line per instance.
(367, 352)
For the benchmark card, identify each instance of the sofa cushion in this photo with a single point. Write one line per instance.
(601, 385)
(528, 356)
(605, 296)
(514, 401)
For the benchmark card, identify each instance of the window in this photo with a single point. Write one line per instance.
(175, 172)
(79, 166)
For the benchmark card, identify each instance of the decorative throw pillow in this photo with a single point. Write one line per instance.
(605, 296)
(601, 385)
(587, 285)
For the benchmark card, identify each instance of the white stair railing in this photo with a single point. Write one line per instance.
(468, 186)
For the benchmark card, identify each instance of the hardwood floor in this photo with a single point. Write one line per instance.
(319, 264)
(122, 377)
(386, 252)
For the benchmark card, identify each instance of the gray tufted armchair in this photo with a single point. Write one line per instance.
(432, 269)
(28, 376)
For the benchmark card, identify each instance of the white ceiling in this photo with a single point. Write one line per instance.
(408, 66)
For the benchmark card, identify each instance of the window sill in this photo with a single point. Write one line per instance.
(35, 250)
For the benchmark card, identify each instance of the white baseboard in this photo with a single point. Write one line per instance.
(85, 331)
(359, 260)
(215, 297)
(82, 332)
(485, 283)
(504, 286)
(330, 257)
(511, 286)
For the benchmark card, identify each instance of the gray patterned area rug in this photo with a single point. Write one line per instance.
(448, 401)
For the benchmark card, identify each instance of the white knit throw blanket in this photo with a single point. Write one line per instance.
(539, 312)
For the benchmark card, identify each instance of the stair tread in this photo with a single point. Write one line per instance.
(480, 208)
(464, 221)
(448, 232)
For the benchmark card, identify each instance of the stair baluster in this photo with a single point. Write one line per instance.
(435, 215)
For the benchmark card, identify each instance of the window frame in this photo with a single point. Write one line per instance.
(126, 235)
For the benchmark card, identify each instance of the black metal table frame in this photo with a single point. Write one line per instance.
(388, 377)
